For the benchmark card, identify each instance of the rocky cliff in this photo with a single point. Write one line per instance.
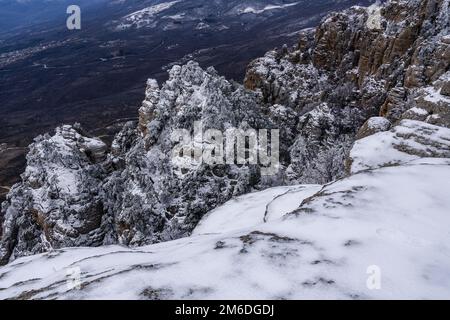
(359, 63)
(387, 222)
(359, 73)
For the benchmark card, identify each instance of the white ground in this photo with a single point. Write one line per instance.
(268, 8)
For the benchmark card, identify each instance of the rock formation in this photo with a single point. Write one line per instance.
(361, 72)
(360, 63)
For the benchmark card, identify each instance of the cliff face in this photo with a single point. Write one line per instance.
(156, 199)
(75, 194)
(359, 63)
(390, 62)
(58, 202)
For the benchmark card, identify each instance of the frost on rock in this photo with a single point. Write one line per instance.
(57, 204)
(144, 17)
(255, 209)
(372, 126)
(361, 73)
(74, 194)
(319, 151)
(393, 218)
(374, 21)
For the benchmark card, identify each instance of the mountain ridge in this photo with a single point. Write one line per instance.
(50, 76)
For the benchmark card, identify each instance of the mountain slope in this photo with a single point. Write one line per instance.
(369, 123)
(362, 105)
(96, 76)
(394, 218)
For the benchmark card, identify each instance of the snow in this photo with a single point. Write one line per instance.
(394, 218)
(409, 140)
(255, 208)
(177, 16)
(151, 11)
(67, 181)
(145, 16)
(289, 201)
(267, 8)
(419, 111)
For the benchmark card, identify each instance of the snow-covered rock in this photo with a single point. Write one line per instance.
(432, 103)
(390, 223)
(372, 126)
(409, 140)
(358, 64)
(362, 67)
(255, 209)
(57, 204)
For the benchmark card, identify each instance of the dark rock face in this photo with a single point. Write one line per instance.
(361, 63)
